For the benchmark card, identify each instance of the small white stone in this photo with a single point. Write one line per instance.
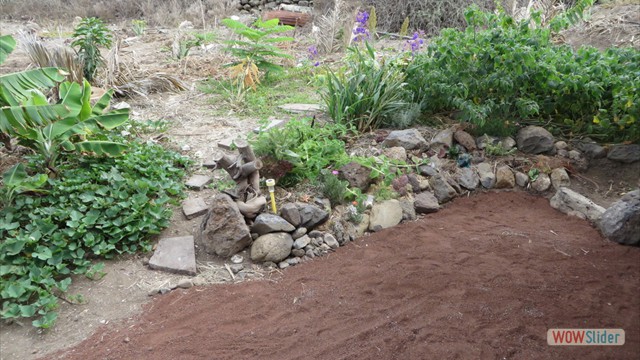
(237, 259)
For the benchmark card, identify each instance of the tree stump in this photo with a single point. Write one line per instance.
(244, 169)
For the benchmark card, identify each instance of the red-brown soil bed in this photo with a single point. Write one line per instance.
(482, 279)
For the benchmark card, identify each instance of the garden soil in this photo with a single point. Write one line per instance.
(484, 278)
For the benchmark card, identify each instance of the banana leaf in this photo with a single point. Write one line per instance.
(13, 87)
(7, 44)
(101, 147)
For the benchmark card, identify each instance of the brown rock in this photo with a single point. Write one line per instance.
(465, 139)
(505, 178)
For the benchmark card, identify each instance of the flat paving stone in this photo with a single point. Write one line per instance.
(198, 182)
(175, 255)
(209, 164)
(194, 207)
(226, 144)
(301, 108)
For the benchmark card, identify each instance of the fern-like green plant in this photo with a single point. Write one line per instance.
(256, 46)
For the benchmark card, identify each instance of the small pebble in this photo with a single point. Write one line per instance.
(237, 259)
(185, 283)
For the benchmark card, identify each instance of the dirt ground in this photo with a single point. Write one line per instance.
(116, 301)
(482, 279)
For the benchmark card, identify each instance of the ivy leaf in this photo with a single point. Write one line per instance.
(27, 310)
(45, 321)
(13, 291)
(42, 253)
(13, 247)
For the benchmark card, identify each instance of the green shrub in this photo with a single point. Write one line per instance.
(308, 148)
(88, 36)
(101, 207)
(498, 73)
(333, 188)
(368, 93)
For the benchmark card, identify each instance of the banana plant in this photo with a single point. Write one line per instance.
(71, 124)
(14, 86)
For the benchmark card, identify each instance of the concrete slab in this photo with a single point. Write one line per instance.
(198, 182)
(209, 164)
(194, 207)
(175, 255)
(226, 144)
(271, 125)
(301, 108)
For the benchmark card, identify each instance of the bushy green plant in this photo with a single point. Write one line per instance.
(101, 207)
(308, 148)
(368, 93)
(90, 34)
(333, 188)
(498, 72)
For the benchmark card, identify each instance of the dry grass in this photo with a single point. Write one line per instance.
(52, 56)
(156, 12)
(122, 74)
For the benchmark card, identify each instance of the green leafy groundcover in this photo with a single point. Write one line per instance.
(98, 208)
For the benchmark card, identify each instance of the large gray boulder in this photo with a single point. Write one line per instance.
(572, 203)
(542, 183)
(442, 189)
(560, 178)
(409, 139)
(291, 213)
(357, 175)
(223, 231)
(385, 215)
(621, 221)
(268, 223)
(443, 138)
(534, 140)
(271, 247)
(624, 153)
(311, 216)
(467, 178)
(487, 177)
(426, 203)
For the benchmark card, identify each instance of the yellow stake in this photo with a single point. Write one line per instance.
(271, 185)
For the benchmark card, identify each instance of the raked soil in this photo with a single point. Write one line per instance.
(484, 278)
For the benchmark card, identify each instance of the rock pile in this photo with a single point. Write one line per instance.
(457, 164)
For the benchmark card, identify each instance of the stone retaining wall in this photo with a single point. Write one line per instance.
(248, 5)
